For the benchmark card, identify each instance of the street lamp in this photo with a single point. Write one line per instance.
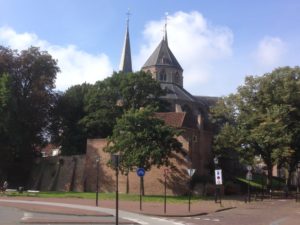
(97, 180)
(115, 159)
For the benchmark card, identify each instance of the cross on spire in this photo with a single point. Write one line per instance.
(128, 15)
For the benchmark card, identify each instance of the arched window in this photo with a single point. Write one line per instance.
(176, 78)
(162, 75)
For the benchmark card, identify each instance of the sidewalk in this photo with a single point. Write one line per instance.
(148, 208)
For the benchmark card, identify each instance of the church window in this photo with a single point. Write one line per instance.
(162, 75)
(176, 79)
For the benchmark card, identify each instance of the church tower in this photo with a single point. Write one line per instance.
(125, 63)
(162, 64)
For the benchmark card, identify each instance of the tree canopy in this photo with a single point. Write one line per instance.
(262, 119)
(143, 140)
(27, 82)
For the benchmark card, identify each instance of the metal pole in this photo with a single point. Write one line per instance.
(249, 191)
(165, 200)
(117, 192)
(190, 196)
(97, 185)
(141, 193)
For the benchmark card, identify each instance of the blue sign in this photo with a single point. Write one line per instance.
(140, 172)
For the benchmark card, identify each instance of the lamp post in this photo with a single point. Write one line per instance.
(97, 180)
(115, 158)
(166, 171)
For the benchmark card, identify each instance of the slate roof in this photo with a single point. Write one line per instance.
(125, 63)
(162, 56)
(176, 92)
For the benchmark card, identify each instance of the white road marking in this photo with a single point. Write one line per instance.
(168, 220)
(27, 216)
(206, 219)
(135, 220)
(216, 220)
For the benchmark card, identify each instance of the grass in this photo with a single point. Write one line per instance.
(109, 196)
(259, 182)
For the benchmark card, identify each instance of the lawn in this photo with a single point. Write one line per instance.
(109, 196)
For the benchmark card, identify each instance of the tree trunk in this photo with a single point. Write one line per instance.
(269, 177)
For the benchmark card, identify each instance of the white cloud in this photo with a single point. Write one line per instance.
(196, 44)
(270, 52)
(76, 66)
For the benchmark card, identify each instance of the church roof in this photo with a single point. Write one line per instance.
(174, 119)
(178, 119)
(176, 92)
(125, 63)
(162, 56)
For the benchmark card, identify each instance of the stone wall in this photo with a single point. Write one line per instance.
(59, 173)
(177, 179)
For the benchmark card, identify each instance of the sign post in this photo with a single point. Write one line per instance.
(190, 173)
(219, 182)
(141, 173)
(249, 178)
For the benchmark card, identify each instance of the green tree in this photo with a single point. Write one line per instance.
(66, 129)
(262, 119)
(32, 75)
(108, 99)
(143, 140)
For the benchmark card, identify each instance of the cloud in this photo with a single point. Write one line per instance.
(270, 52)
(76, 66)
(195, 42)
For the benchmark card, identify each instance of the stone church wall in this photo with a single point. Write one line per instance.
(153, 180)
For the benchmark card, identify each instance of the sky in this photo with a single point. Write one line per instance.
(217, 42)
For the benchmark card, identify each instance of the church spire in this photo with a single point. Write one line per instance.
(165, 28)
(125, 64)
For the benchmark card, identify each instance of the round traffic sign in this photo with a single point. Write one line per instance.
(140, 172)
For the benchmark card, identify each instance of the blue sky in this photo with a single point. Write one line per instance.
(217, 42)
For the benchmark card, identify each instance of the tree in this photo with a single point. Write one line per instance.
(31, 86)
(262, 119)
(143, 140)
(66, 129)
(110, 98)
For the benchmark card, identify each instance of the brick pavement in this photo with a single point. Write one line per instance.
(148, 208)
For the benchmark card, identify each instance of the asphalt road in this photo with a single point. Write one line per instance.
(268, 212)
(275, 212)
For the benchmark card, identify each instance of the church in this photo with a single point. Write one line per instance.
(186, 112)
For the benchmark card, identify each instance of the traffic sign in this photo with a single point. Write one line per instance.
(191, 172)
(249, 175)
(218, 177)
(140, 172)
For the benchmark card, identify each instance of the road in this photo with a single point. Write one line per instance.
(268, 212)
(275, 212)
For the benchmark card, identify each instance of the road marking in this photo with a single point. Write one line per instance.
(27, 216)
(168, 220)
(277, 222)
(216, 220)
(206, 219)
(136, 220)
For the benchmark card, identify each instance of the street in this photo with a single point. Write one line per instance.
(267, 212)
(275, 212)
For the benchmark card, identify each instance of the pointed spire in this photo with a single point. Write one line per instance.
(165, 28)
(125, 64)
